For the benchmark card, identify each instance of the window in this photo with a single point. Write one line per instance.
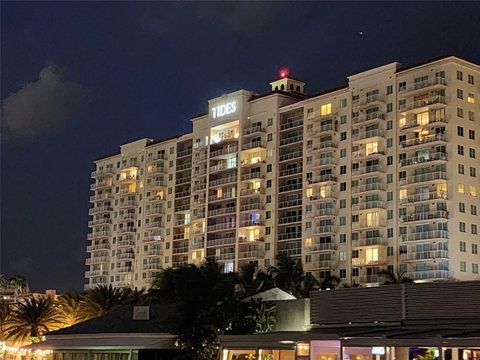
(389, 89)
(389, 178)
(473, 172)
(269, 121)
(390, 251)
(343, 186)
(461, 188)
(471, 153)
(343, 153)
(471, 79)
(471, 116)
(459, 112)
(343, 220)
(461, 169)
(268, 199)
(343, 238)
(474, 268)
(343, 169)
(473, 229)
(463, 246)
(459, 93)
(402, 104)
(461, 207)
(269, 137)
(389, 232)
(460, 149)
(343, 203)
(471, 134)
(473, 209)
(343, 136)
(269, 183)
(343, 273)
(389, 107)
(459, 131)
(343, 103)
(389, 195)
(402, 86)
(343, 119)
(389, 160)
(326, 109)
(473, 191)
(471, 98)
(459, 75)
(389, 142)
(462, 228)
(474, 249)
(389, 125)
(463, 266)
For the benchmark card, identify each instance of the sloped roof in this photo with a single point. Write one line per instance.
(274, 294)
(121, 321)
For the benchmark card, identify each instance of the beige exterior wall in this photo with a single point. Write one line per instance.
(358, 179)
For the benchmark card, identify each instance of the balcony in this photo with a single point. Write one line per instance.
(221, 242)
(326, 196)
(130, 164)
(252, 206)
(125, 243)
(253, 130)
(127, 216)
(157, 157)
(364, 188)
(424, 140)
(250, 192)
(367, 136)
(152, 266)
(221, 226)
(246, 240)
(126, 230)
(439, 156)
(128, 204)
(297, 251)
(414, 125)
(155, 210)
(436, 83)
(224, 151)
(184, 153)
(98, 247)
(289, 236)
(362, 170)
(221, 167)
(250, 223)
(290, 187)
(430, 275)
(430, 103)
(251, 254)
(369, 241)
(324, 145)
(291, 171)
(370, 100)
(154, 225)
(290, 203)
(368, 118)
(417, 198)
(156, 184)
(289, 219)
(321, 247)
(291, 123)
(224, 257)
(365, 205)
(98, 222)
(431, 176)
(291, 140)
(325, 178)
(93, 273)
(156, 171)
(222, 211)
(254, 145)
(322, 264)
(182, 194)
(224, 196)
(124, 269)
(424, 216)
(100, 185)
(323, 162)
(97, 260)
(99, 235)
(361, 154)
(183, 180)
(252, 176)
(125, 256)
(197, 245)
(102, 172)
(359, 262)
(100, 197)
(319, 213)
(99, 209)
(323, 129)
(370, 279)
(426, 235)
(291, 156)
(180, 250)
(222, 181)
(424, 255)
(325, 229)
(317, 115)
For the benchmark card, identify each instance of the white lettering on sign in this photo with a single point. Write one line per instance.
(225, 109)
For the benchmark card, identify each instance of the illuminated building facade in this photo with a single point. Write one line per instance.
(378, 174)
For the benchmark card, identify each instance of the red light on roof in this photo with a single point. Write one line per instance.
(283, 73)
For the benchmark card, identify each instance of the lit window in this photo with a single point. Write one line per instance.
(308, 241)
(326, 109)
(403, 193)
(219, 193)
(473, 190)
(471, 98)
(461, 188)
(309, 192)
(371, 148)
(194, 255)
(402, 121)
(371, 255)
(372, 219)
(422, 118)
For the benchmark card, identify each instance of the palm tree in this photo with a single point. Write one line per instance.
(103, 300)
(330, 282)
(288, 275)
(253, 280)
(4, 314)
(395, 277)
(19, 284)
(31, 318)
(70, 308)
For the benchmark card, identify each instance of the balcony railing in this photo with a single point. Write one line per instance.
(252, 206)
(225, 180)
(251, 254)
(429, 274)
(322, 145)
(369, 187)
(431, 176)
(221, 242)
(369, 241)
(321, 247)
(98, 247)
(290, 187)
(253, 130)
(434, 195)
(290, 203)
(423, 140)
(289, 236)
(374, 204)
(97, 260)
(291, 123)
(414, 105)
(425, 235)
(424, 255)
(224, 151)
(291, 155)
(289, 219)
(368, 100)
(368, 169)
(292, 171)
(423, 85)
(431, 121)
(221, 211)
(322, 264)
(253, 145)
(221, 226)
(98, 234)
(423, 216)
(291, 140)
(324, 161)
(99, 209)
(247, 223)
(368, 134)
(247, 192)
(322, 178)
(424, 159)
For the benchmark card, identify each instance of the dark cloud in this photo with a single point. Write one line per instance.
(43, 107)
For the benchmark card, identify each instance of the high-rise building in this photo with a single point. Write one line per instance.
(380, 173)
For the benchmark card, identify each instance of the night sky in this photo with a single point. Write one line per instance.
(80, 79)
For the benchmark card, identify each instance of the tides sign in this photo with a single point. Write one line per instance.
(224, 109)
